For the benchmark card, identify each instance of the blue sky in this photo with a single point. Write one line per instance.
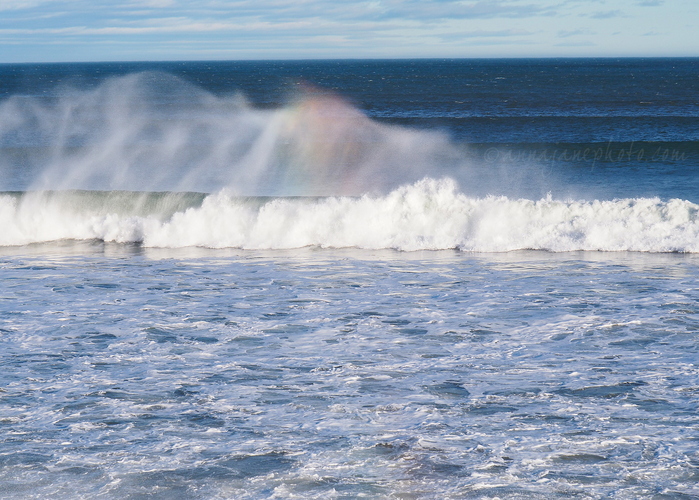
(132, 30)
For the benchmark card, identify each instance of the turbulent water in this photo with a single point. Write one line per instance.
(346, 279)
(428, 215)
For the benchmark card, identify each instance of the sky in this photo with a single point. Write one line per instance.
(174, 30)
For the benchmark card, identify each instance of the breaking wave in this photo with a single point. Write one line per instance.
(427, 215)
(153, 160)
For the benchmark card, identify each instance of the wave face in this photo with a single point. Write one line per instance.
(427, 215)
(150, 159)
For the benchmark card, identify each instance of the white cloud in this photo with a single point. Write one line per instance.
(566, 33)
(21, 4)
(157, 4)
(184, 27)
(607, 14)
(367, 28)
(486, 34)
(586, 43)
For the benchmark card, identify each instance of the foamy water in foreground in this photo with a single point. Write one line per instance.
(132, 372)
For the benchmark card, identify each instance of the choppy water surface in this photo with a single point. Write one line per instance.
(143, 373)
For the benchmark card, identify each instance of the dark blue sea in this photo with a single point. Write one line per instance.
(439, 279)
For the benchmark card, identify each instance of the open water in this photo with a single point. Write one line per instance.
(350, 279)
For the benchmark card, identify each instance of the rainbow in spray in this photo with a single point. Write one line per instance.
(155, 132)
(150, 159)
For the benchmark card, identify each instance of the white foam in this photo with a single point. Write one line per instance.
(428, 215)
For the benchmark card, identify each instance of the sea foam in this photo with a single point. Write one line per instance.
(430, 214)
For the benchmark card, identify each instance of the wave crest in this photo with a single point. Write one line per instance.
(428, 215)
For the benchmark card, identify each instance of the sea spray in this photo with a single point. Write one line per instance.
(154, 132)
(148, 158)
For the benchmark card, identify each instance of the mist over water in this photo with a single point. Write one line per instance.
(155, 132)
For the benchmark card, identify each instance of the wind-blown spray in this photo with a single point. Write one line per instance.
(155, 132)
(150, 159)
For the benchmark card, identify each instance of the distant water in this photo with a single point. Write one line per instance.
(350, 279)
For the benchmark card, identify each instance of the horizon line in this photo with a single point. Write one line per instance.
(358, 59)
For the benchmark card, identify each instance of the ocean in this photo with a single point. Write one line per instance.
(439, 279)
